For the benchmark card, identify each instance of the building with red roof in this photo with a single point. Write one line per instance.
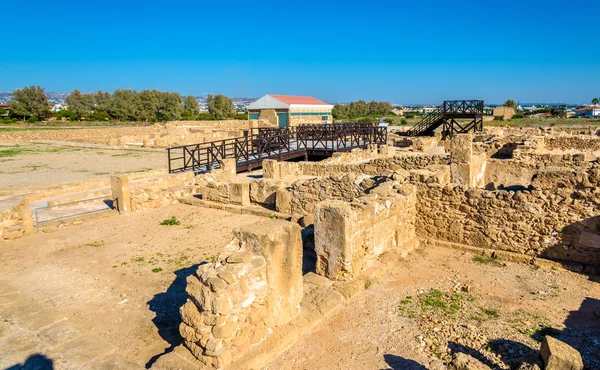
(290, 110)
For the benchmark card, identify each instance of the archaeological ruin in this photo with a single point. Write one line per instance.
(334, 220)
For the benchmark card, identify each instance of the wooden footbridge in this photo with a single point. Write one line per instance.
(455, 117)
(285, 143)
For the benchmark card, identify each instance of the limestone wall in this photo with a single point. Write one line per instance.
(300, 198)
(160, 191)
(558, 219)
(147, 136)
(374, 166)
(253, 286)
(349, 236)
(578, 142)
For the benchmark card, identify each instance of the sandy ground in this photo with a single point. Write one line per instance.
(105, 294)
(29, 165)
(373, 333)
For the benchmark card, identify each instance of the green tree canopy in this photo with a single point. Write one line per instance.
(30, 102)
(190, 104)
(361, 109)
(595, 101)
(81, 104)
(510, 103)
(220, 106)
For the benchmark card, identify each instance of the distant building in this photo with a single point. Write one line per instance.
(399, 111)
(506, 112)
(591, 111)
(58, 107)
(4, 108)
(288, 110)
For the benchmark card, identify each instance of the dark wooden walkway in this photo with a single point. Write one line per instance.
(456, 117)
(276, 143)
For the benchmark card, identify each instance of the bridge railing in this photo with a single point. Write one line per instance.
(266, 143)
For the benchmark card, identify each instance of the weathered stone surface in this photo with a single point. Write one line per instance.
(558, 355)
(462, 361)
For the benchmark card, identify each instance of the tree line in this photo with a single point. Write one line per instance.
(361, 109)
(31, 103)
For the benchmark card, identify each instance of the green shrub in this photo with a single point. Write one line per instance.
(205, 116)
(498, 118)
(404, 122)
(170, 221)
(32, 119)
(410, 115)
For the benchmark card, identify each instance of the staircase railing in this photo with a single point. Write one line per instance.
(426, 122)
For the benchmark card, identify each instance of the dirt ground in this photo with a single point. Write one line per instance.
(105, 294)
(500, 320)
(29, 165)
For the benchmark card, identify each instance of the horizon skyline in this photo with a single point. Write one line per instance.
(455, 51)
(336, 102)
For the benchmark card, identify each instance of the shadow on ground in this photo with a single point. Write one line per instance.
(34, 362)
(166, 306)
(400, 363)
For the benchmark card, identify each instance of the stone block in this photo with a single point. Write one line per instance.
(270, 169)
(120, 191)
(558, 355)
(283, 201)
(461, 148)
(280, 243)
(239, 193)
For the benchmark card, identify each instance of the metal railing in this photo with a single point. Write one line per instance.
(280, 143)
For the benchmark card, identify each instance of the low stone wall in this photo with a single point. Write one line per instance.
(254, 286)
(349, 236)
(577, 142)
(159, 191)
(558, 219)
(300, 198)
(146, 136)
(374, 167)
(232, 124)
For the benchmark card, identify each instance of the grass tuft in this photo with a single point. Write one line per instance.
(171, 221)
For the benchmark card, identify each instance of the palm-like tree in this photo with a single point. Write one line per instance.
(595, 101)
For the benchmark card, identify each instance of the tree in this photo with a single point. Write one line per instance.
(81, 104)
(127, 105)
(170, 106)
(595, 101)
(30, 102)
(510, 103)
(220, 106)
(190, 104)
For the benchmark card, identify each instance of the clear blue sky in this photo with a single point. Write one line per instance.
(398, 51)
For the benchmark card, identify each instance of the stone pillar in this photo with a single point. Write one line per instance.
(270, 169)
(461, 150)
(227, 170)
(253, 286)
(280, 243)
(239, 193)
(269, 115)
(119, 186)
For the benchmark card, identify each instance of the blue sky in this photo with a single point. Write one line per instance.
(398, 51)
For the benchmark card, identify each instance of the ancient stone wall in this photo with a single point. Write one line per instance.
(349, 236)
(301, 197)
(146, 136)
(558, 219)
(374, 167)
(160, 191)
(254, 286)
(577, 142)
